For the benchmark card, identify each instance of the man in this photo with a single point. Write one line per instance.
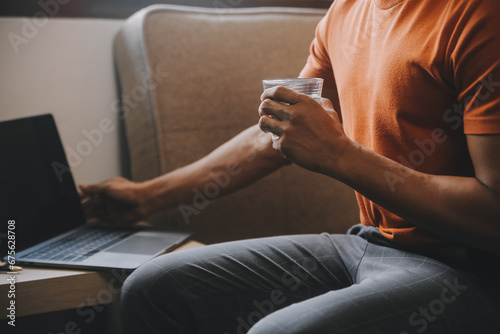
(416, 85)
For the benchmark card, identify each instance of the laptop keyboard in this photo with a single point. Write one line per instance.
(80, 245)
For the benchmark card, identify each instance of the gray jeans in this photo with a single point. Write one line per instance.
(354, 283)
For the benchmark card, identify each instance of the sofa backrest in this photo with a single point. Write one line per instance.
(191, 80)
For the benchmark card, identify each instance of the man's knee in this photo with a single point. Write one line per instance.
(150, 280)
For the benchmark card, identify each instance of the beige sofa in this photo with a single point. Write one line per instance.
(190, 80)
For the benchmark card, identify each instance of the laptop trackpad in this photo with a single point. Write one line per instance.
(140, 245)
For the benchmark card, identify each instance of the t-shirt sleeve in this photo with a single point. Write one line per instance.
(475, 62)
(318, 63)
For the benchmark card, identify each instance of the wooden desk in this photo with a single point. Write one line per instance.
(46, 290)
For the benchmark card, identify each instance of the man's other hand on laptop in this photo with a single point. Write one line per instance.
(116, 200)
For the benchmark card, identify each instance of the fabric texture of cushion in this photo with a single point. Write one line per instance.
(190, 80)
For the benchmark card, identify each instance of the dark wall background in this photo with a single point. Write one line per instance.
(125, 8)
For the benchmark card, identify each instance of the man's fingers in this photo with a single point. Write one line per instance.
(90, 204)
(93, 189)
(81, 193)
(82, 190)
(268, 124)
(88, 199)
(282, 94)
(273, 109)
(93, 206)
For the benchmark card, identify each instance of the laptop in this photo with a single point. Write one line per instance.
(42, 218)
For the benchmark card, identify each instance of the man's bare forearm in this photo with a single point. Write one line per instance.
(458, 208)
(239, 162)
(463, 209)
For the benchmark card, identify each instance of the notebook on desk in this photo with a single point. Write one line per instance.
(41, 214)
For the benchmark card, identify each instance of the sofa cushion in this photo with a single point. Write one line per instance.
(191, 80)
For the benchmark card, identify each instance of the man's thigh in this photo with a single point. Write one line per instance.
(394, 292)
(227, 288)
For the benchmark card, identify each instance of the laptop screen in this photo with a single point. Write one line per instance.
(37, 190)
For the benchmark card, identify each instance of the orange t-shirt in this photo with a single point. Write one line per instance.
(412, 78)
